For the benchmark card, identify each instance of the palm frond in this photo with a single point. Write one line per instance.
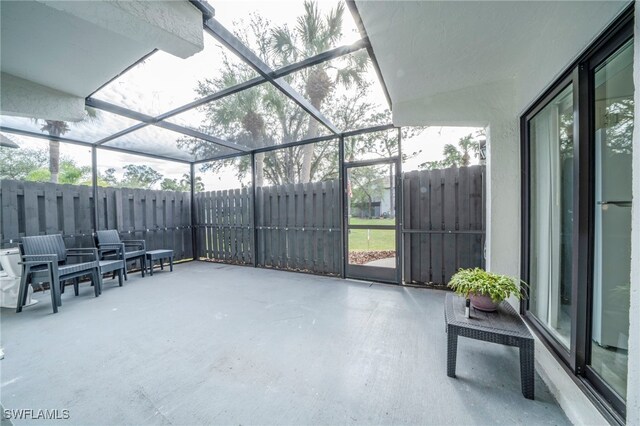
(309, 27)
(347, 76)
(333, 28)
(283, 44)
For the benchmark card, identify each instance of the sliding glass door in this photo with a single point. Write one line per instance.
(613, 110)
(577, 198)
(551, 221)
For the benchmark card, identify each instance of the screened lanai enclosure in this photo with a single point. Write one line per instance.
(282, 155)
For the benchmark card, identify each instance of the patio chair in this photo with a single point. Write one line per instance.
(110, 246)
(44, 259)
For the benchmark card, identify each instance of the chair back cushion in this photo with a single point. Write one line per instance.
(45, 244)
(109, 236)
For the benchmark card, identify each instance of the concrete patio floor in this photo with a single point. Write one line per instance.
(218, 344)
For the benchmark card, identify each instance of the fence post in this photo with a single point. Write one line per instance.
(194, 231)
(94, 184)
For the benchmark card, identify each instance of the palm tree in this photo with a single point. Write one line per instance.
(458, 156)
(312, 35)
(245, 108)
(56, 129)
(263, 116)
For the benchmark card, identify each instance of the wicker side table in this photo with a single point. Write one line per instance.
(504, 327)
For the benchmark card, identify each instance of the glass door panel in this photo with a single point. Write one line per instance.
(551, 220)
(612, 218)
(371, 221)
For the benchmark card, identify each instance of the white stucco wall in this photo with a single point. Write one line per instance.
(633, 377)
(172, 26)
(71, 48)
(25, 98)
(572, 400)
(503, 196)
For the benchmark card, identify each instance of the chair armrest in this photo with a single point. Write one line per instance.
(118, 247)
(140, 243)
(42, 262)
(83, 252)
(29, 260)
(39, 257)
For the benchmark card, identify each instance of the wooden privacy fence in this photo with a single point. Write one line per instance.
(297, 226)
(443, 223)
(161, 218)
(224, 223)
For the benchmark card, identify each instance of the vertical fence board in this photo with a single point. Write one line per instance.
(32, 224)
(268, 233)
(85, 212)
(299, 225)
(259, 211)
(309, 234)
(464, 247)
(288, 224)
(10, 228)
(450, 221)
(51, 208)
(422, 252)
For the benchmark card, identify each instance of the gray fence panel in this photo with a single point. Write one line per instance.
(298, 226)
(31, 208)
(444, 221)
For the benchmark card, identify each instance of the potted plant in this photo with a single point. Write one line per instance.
(485, 289)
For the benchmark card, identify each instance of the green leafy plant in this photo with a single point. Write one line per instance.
(478, 281)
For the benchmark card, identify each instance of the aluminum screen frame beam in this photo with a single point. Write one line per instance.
(232, 43)
(89, 144)
(280, 72)
(351, 4)
(348, 134)
(147, 119)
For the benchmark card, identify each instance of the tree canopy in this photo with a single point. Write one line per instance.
(263, 116)
(32, 165)
(460, 155)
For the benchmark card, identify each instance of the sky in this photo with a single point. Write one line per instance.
(163, 82)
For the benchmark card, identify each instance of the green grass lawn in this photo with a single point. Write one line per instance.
(372, 239)
(358, 221)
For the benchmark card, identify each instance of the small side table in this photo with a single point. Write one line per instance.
(116, 266)
(159, 255)
(504, 327)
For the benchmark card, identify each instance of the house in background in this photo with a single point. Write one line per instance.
(553, 83)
